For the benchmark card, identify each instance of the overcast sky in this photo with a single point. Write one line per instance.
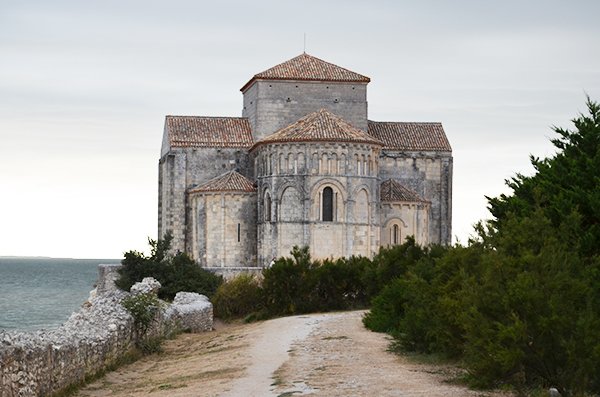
(85, 86)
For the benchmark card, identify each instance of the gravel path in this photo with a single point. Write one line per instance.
(328, 354)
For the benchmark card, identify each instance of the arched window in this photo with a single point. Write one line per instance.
(327, 204)
(267, 207)
(395, 235)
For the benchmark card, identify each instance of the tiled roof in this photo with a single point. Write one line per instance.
(410, 136)
(307, 67)
(392, 190)
(194, 131)
(231, 181)
(320, 126)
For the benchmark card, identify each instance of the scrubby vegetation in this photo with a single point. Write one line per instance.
(521, 303)
(295, 285)
(300, 285)
(144, 309)
(174, 272)
(238, 297)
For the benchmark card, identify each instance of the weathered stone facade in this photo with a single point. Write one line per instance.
(303, 166)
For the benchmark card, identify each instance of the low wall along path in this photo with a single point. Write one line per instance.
(41, 363)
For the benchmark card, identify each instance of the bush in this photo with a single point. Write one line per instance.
(284, 284)
(299, 285)
(144, 309)
(181, 273)
(174, 272)
(238, 297)
(521, 303)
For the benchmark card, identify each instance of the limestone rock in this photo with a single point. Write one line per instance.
(148, 285)
(191, 312)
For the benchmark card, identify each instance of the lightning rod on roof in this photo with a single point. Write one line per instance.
(304, 42)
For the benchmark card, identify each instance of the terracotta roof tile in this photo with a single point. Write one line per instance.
(320, 126)
(410, 136)
(231, 181)
(195, 131)
(392, 190)
(308, 67)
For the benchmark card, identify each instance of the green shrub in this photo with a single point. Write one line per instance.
(181, 273)
(300, 285)
(387, 309)
(144, 308)
(521, 303)
(174, 272)
(284, 284)
(238, 297)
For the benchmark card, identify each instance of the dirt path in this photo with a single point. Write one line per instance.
(319, 354)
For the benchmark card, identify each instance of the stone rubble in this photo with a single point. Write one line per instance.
(185, 309)
(148, 285)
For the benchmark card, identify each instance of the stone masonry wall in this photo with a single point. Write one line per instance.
(294, 176)
(44, 362)
(430, 175)
(184, 168)
(271, 105)
(223, 228)
(412, 219)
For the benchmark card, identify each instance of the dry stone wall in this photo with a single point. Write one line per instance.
(44, 362)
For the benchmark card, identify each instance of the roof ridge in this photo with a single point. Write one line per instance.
(319, 126)
(209, 131)
(208, 117)
(230, 181)
(306, 67)
(392, 190)
(406, 122)
(410, 136)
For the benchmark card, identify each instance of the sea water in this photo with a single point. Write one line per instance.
(40, 293)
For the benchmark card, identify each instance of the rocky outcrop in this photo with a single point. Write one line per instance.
(43, 362)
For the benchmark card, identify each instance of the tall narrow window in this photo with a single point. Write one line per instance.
(395, 234)
(239, 232)
(267, 207)
(327, 204)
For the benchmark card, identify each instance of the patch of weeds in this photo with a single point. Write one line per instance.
(335, 337)
(396, 347)
(288, 393)
(151, 345)
(205, 375)
(168, 386)
(257, 316)
(276, 381)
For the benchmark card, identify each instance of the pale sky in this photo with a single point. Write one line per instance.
(85, 86)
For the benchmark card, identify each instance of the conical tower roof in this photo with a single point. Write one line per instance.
(309, 68)
(231, 181)
(320, 126)
(392, 190)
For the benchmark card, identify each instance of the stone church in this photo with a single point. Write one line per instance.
(303, 166)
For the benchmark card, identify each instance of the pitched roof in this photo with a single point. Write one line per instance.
(195, 131)
(410, 136)
(392, 190)
(231, 181)
(320, 126)
(308, 67)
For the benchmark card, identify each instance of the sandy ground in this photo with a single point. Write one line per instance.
(319, 354)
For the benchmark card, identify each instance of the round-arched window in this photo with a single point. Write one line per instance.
(327, 204)
(267, 207)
